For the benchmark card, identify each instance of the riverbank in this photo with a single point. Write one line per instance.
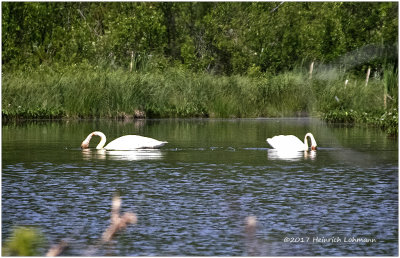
(387, 121)
(84, 91)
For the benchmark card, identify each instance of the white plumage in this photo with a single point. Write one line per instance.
(291, 142)
(127, 142)
(132, 142)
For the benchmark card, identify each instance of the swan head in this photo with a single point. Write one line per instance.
(85, 143)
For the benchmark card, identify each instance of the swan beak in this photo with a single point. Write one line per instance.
(313, 147)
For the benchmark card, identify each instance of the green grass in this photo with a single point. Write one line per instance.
(86, 91)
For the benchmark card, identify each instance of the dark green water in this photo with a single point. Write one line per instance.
(193, 196)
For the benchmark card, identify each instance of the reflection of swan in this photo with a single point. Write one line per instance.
(291, 142)
(132, 155)
(127, 142)
(278, 154)
(135, 155)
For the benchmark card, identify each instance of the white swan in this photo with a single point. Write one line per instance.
(127, 142)
(291, 142)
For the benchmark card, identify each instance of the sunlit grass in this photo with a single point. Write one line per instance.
(87, 91)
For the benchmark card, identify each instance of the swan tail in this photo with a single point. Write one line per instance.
(271, 142)
(160, 145)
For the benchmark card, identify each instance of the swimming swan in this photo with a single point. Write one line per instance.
(127, 142)
(292, 143)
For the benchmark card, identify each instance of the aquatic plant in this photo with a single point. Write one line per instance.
(387, 120)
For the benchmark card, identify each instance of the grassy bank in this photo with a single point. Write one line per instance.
(86, 91)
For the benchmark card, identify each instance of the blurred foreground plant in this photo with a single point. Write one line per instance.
(24, 241)
(118, 222)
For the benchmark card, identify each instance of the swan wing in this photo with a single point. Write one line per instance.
(286, 142)
(133, 142)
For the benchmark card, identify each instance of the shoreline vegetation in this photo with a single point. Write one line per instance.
(85, 91)
(122, 60)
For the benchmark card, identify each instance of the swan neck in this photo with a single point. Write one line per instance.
(306, 142)
(313, 142)
(102, 141)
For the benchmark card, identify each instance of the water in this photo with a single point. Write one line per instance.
(194, 195)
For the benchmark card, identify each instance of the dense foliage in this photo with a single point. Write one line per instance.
(218, 37)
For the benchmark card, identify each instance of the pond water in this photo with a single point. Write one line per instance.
(194, 195)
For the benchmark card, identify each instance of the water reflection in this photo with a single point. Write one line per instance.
(274, 154)
(131, 155)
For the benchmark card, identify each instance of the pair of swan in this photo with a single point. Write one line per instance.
(133, 142)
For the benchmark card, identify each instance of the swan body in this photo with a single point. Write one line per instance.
(127, 142)
(292, 143)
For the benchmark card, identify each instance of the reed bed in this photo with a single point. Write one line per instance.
(84, 91)
(90, 92)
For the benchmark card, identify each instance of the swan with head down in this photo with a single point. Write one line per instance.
(292, 143)
(127, 142)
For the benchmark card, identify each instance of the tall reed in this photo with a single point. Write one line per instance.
(88, 91)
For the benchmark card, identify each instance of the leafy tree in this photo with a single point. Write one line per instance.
(216, 37)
